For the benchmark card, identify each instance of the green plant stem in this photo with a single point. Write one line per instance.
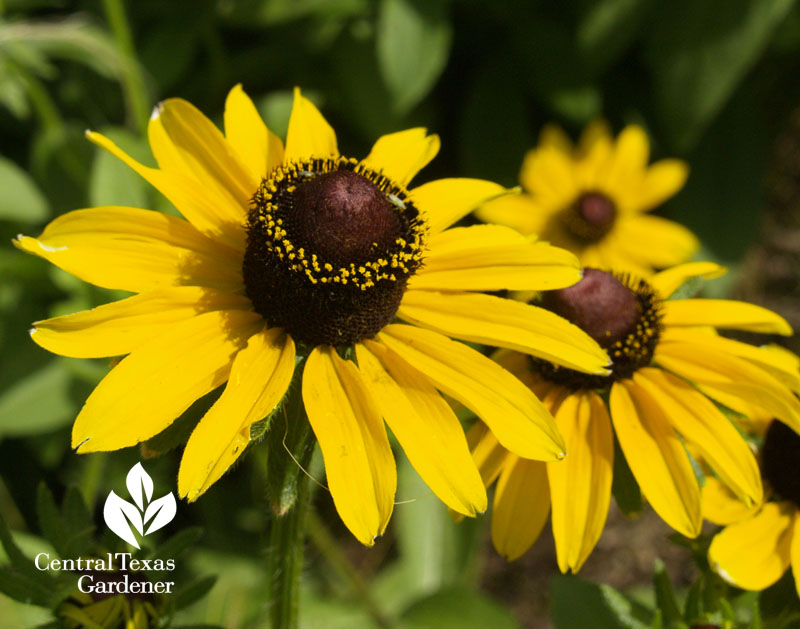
(332, 553)
(287, 541)
(132, 79)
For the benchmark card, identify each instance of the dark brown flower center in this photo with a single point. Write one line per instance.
(780, 459)
(330, 247)
(620, 314)
(589, 218)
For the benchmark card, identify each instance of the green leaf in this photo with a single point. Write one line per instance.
(665, 596)
(608, 28)
(21, 199)
(176, 544)
(457, 608)
(111, 182)
(193, 592)
(693, 609)
(624, 486)
(413, 39)
(23, 588)
(578, 603)
(77, 522)
(698, 53)
(50, 521)
(20, 563)
(38, 403)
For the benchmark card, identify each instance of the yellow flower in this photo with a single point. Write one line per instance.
(759, 543)
(669, 364)
(592, 199)
(297, 251)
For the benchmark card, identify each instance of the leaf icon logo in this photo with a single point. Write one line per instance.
(123, 517)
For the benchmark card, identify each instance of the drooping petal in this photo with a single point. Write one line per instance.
(727, 379)
(724, 313)
(309, 133)
(359, 464)
(488, 454)
(778, 362)
(216, 217)
(521, 505)
(656, 240)
(501, 322)
(444, 201)
(518, 211)
(121, 327)
(662, 180)
(668, 281)
(721, 506)
(184, 141)
(554, 136)
(754, 554)
(400, 156)
(513, 413)
(706, 429)
(492, 257)
(259, 378)
(580, 485)
(136, 250)
(150, 388)
(656, 457)
(594, 152)
(259, 149)
(426, 427)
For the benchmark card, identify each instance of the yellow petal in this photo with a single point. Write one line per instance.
(150, 388)
(754, 554)
(554, 136)
(518, 211)
(426, 427)
(136, 250)
(726, 378)
(721, 506)
(492, 257)
(706, 429)
(631, 154)
(259, 378)
(725, 313)
(594, 152)
(668, 281)
(309, 133)
(358, 459)
(661, 181)
(580, 485)
(655, 240)
(505, 323)
(400, 156)
(782, 365)
(122, 326)
(656, 457)
(213, 215)
(521, 505)
(548, 174)
(184, 141)
(488, 454)
(513, 413)
(259, 149)
(444, 201)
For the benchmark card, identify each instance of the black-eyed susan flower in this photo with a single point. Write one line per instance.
(669, 364)
(298, 251)
(759, 542)
(593, 199)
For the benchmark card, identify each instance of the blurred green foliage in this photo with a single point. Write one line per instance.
(712, 82)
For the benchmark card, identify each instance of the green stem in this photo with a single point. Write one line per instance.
(287, 540)
(132, 79)
(330, 550)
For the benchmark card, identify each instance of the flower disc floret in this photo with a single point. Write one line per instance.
(331, 245)
(621, 313)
